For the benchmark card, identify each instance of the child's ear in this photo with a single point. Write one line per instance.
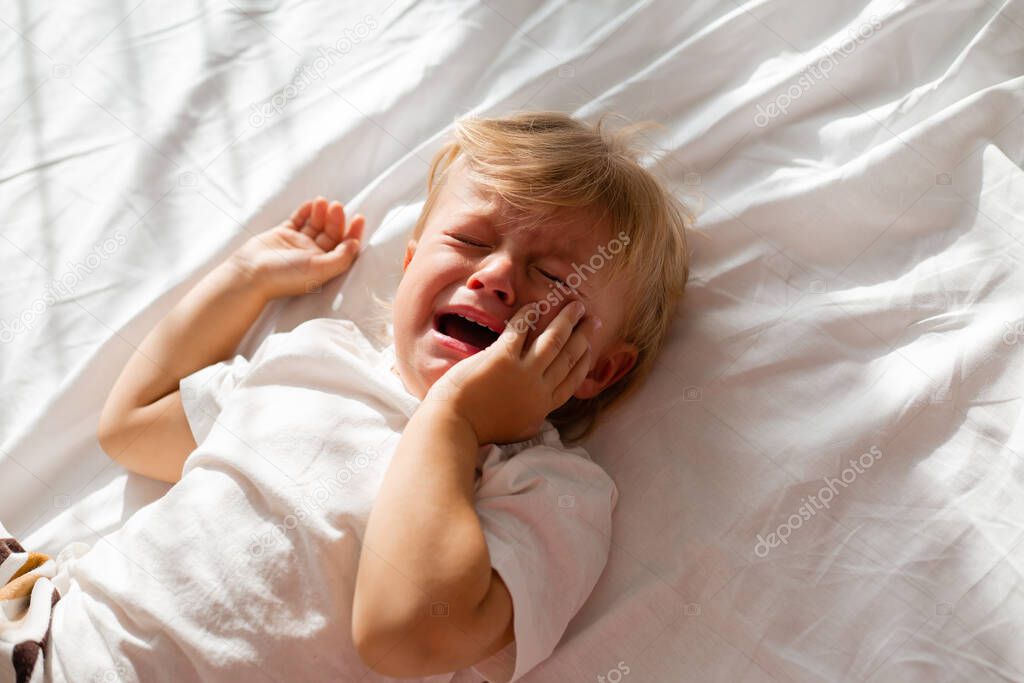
(615, 362)
(410, 249)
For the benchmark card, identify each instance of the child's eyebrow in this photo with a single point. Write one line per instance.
(477, 219)
(564, 250)
(567, 250)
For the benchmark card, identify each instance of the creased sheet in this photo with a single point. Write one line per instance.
(822, 481)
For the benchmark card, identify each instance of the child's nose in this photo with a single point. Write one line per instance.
(496, 276)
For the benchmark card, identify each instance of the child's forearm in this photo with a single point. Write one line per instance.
(425, 573)
(203, 328)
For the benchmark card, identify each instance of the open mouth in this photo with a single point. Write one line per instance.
(462, 329)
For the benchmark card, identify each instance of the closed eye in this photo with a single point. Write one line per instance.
(473, 243)
(549, 276)
(466, 240)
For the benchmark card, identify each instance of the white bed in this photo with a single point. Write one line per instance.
(857, 285)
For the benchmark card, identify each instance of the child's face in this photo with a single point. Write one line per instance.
(470, 259)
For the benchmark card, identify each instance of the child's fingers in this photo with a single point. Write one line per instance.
(568, 357)
(324, 241)
(317, 218)
(301, 215)
(514, 334)
(550, 342)
(337, 260)
(355, 229)
(335, 226)
(570, 384)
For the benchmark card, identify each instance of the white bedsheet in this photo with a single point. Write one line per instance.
(856, 292)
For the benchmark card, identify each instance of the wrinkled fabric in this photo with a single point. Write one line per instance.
(855, 285)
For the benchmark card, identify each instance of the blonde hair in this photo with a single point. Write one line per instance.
(542, 162)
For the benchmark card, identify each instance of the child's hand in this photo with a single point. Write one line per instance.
(302, 253)
(505, 391)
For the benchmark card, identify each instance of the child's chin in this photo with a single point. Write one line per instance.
(435, 369)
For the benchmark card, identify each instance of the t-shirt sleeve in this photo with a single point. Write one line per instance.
(204, 392)
(546, 516)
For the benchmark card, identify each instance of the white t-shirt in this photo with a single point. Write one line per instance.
(245, 570)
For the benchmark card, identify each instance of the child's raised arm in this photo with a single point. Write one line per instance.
(143, 424)
(424, 546)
